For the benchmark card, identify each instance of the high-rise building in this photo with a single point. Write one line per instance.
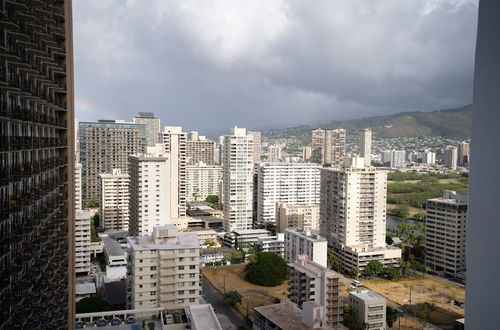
(302, 242)
(317, 144)
(199, 149)
(256, 146)
(78, 188)
(291, 216)
(450, 154)
(36, 165)
(429, 157)
(311, 282)
(82, 243)
(174, 141)
(334, 147)
(114, 200)
(306, 154)
(291, 183)
(463, 153)
(365, 146)
(370, 308)
(398, 158)
(445, 229)
(353, 214)
(105, 145)
(386, 156)
(152, 127)
(164, 269)
(153, 200)
(202, 180)
(274, 153)
(237, 165)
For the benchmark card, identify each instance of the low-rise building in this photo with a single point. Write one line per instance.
(275, 244)
(291, 216)
(116, 259)
(244, 239)
(212, 256)
(370, 308)
(304, 242)
(82, 243)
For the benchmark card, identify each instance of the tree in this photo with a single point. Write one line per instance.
(426, 308)
(333, 260)
(235, 257)
(212, 199)
(232, 298)
(269, 269)
(252, 253)
(391, 273)
(374, 268)
(92, 305)
(389, 239)
(401, 211)
(91, 204)
(390, 316)
(350, 319)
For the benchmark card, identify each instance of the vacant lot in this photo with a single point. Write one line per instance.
(252, 294)
(423, 290)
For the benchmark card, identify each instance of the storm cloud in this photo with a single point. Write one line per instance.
(210, 65)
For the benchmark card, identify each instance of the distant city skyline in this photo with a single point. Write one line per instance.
(211, 67)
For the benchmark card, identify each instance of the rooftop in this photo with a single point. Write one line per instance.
(366, 295)
(85, 288)
(311, 235)
(285, 315)
(112, 247)
(183, 241)
(82, 215)
(146, 115)
(203, 317)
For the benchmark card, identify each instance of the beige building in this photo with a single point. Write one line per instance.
(370, 308)
(365, 146)
(445, 232)
(311, 282)
(302, 242)
(334, 147)
(152, 127)
(202, 180)
(275, 153)
(114, 200)
(82, 243)
(306, 154)
(199, 149)
(164, 270)
(317, 145)
(256, 146)
(291, 216)
(353, 214)
(174, 140)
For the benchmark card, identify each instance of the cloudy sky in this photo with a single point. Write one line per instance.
(210, 65)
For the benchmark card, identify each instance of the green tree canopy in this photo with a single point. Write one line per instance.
(390, 316)
(269, 269)
(232, 298)
(92, 305)
(333, 260)
(214, 199)
(374, 268)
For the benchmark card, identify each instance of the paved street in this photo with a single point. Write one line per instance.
(231, 320)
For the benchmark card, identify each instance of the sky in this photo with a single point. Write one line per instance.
(260, 64)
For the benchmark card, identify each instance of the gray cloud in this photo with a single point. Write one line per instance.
(209, 65)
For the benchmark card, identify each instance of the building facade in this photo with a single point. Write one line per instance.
(199, 149)
(445, 232)
(105, 145)
(274, 244)
(164, 269)
(463, 153)
(275, 154)
(256, 146)
(317, 144)
(450, 155)
(202, 180)
(334, 147)
(291, 183)
(365, 146)
(370, 308)
(238, 180)
(78, 187)
(398, 158)
(82, 243)
(114, 200)
(152, 127)
(36, 165)
(301, 242)
(291, 216)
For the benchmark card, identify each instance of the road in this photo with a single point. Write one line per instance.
(213, 297)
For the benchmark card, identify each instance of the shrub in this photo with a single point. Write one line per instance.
(269, 269)
(232, 298)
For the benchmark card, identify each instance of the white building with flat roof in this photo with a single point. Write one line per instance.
(398, 158)
(365, 146)
(202, 180)
(275, 244)
(164, 269)
(302, 242)
(243, 239)
(291, 183)
(114, 197)
(82, 242)
(370, 308)
(78, 187)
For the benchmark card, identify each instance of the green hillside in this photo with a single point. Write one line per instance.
(450, 123)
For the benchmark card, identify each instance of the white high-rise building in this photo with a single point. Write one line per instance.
(291, 183)
(114, 197)
(174, 140)
(78, 187)
(366, 146)
(429, 157)
(450, 157)
(153, 196)
(202, 180)
(398, 158)
(311, 244)
(82, 242)
(274, 153)
(353, 214)
(291, 216)
(445, 229)
(237, 167)
(385, 156)
(152, 127)
(164, 269)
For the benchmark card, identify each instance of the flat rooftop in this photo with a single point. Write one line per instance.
(184, 241)
(203, 317)
(366, 295)
(85, 288)
(285, 315)
(112, 247)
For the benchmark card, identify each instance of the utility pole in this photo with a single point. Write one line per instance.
(224, 281)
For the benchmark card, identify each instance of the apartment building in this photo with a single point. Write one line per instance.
(291, 216)
(429, 157)
(104, 146)
(317, 145)
(114, 200)
(307, 154)
(199, 149)
(445, 231)
(370, 308)
(243, 239)
(365, 146)
(353, 214)
(202, 180)
(36, 165)
(463, 153)
(237, 175)
(274, 244)
(398, 158)
(78, 187)
(450, 154)
(290, 183)
(274, 154)
(302, 242)
(311, 282)
(164, 269)
(152, 127)
(334, 147)
(174, 141)
(82, 243)
(256, 146)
